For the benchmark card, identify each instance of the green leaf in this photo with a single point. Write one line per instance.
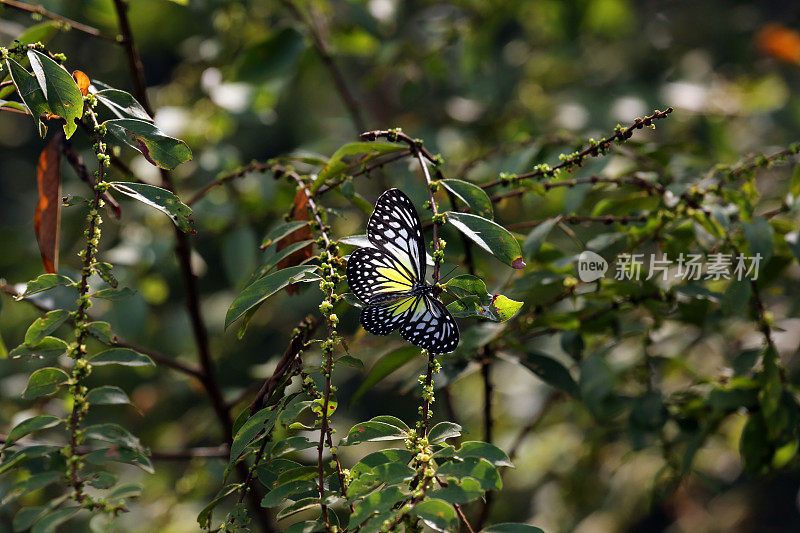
(122, 104)
(437, 514)
(484, 450)
(490, 236)
(204, 517)
(551, 372)
(44, 326)
(38, 33)
(50, 522)
(115, 434)
(157, 147)
(442, 431)
(510, 527)
(349, 360)
(101, 331)
(114, 295)
(262, 289)
(30, 93)
(262, 421)
(273, 257)
(296, 507)
(479, 469)
(43, 382)
(108, 395)
(474, 300)
(25, 454)
(33, 483)
(26, 516)
(102, 480)
(63, 95)
(472, 195)
(301, 473)
(377, 502)
(336, 166)
(281, 493)
(49, 347)
(292, 444)
(45, 282)
(459, 491)
(121, 356)
(383, 367)
(759, 234)
(535, 239)
(104, 270)
(371, 431)
(26, 427)
(389, 455)
(279, 232)
(120, 454)
(271, 58)
(161, 199)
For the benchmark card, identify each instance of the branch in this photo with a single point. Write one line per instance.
(64, 21)
(224, 178)
(76, 162)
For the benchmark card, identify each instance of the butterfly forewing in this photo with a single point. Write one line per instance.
(431, 326)
(395, 227)
(374, 273)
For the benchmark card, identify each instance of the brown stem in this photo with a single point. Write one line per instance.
(72, 24)
(76, 162)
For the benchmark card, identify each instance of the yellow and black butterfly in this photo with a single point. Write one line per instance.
(389, 277)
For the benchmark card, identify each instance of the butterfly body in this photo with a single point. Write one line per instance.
(389, 276)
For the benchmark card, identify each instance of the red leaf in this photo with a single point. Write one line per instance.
(47, 218)
(299, 212)
(83, 81)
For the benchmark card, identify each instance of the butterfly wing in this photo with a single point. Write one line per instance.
(382, 319)
(430, 326)
(395, 228)
(375, 274)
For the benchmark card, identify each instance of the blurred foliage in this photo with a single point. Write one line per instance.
(643, 405)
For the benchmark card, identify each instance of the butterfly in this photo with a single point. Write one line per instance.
(389, 276)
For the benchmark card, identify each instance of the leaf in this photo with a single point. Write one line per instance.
(120, 454)
(104, 271)
(437, 514)
(479, 469)
(122, 104)
(114, 434)
(372, 431)
(63, 95)
(490, 236)
(279, 232)
(472, 195)
(204, 517)
(114, 295)
(281, 493)
(383, 367)
(30, 425)
(442, 431)
(349, 360)
(510, 527)
(45, 282)
(161, 199)
(376, 502)
(121, 356)
(30, 93)
(273, 257)
(270, 58)
(45, 325)
(262, 289)
(300, 213)
(459, 491)
(157, 147)
(296, 507)
(108, 395)
(33, 483)
(484, 450)
(474, 300)
(47, 216)
(44, 382)
(389, 455)
(759, 234)
(101, 331)
(292, 444)
(336, 165)
(82, 81)
(49, 347)
(535, 239)
(50, 522)
(262, 421)
(102, 480)
(551, 372)
(26, 453)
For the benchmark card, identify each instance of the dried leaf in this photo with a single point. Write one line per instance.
(779, 42)
(47, 218)
(83, 81)
(299, 212)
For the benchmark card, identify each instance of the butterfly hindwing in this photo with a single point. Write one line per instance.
(382, 319)
(374, 273)
(395, 227)
(431, 326)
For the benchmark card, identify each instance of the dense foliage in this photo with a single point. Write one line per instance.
(192, 357)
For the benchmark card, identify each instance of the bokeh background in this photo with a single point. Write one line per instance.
(242, 81)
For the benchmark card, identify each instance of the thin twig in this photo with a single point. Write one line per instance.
(64, 21)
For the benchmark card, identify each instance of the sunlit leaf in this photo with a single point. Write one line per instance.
(44, 326)
(121, 356)
(472, 195)
(62, 93)
(30, 425)
(44, 382)
(437, 514)
(490, 236)
(157, 147)
(161, 199)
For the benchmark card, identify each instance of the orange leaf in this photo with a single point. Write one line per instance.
(779, 42)
(47, 218)
(299, 212)
(83, 81)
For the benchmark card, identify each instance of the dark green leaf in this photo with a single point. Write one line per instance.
(122, 104)
(292, 444)
(533, 242)
(459, 491)
(25, 454)
(479, 469)
(262, 289)
(508, 527)
(385, 366)
(484, 450)
(43, 382)
(296, 507)
(120, 454)
(759, 234)
(390, 455)
(31, 94)
(49, 347)
(44, 326)
(272, 257)
(377, 502)
(102, 480)
(50, 522)
(349, 360)
(490, 236)
(373, 431)
(104, 270)
(34, 482)
(336, 164)
(282, 231)
(63, 95)
(30, 425)
(437, 514)
(281, 493)
(301, 473)
(161, 199)
(108, 395)
(262, 421)
(442, 431)
(101, 331)
(205, 515)
(44, 282)
(121, 356)
(472, 195)
(551, 372)
(114, 295)
(157, 147)
(113, 433)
